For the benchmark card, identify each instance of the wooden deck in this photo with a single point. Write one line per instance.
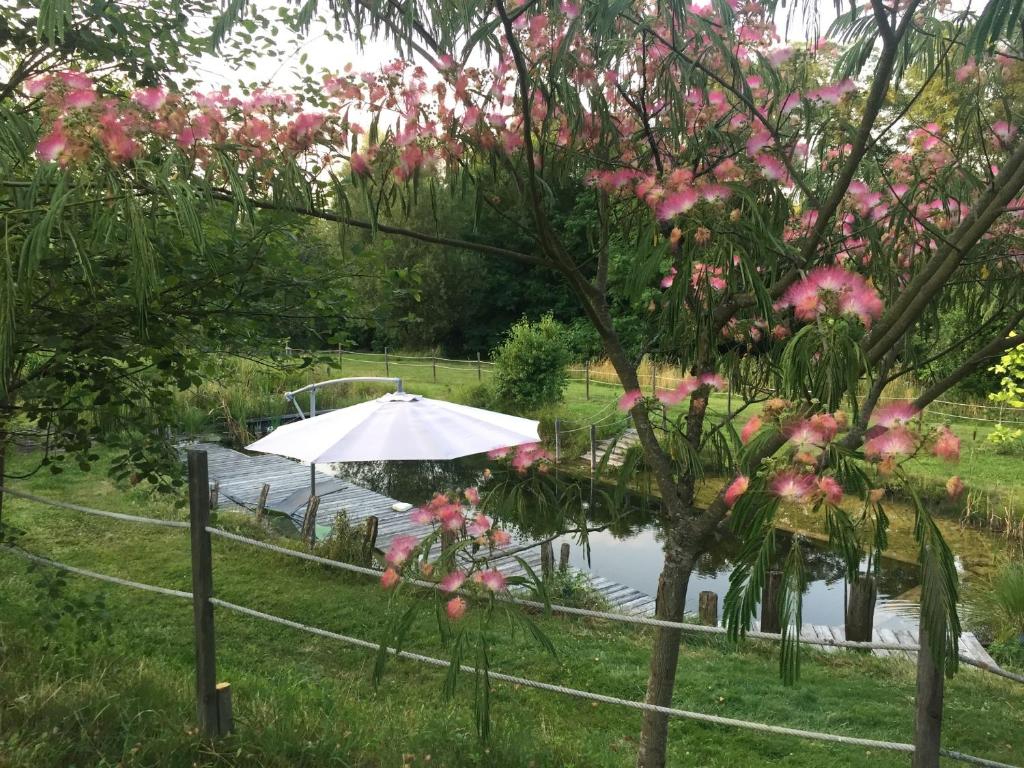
(615, 447)
(241, 476)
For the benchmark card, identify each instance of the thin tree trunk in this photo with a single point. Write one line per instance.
(675, 577)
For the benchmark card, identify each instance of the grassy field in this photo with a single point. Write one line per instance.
(115, 688)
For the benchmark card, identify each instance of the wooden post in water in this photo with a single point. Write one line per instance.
(214, 494)
(707, 609)
(593, 449)
(261, 504)
(770, 621)
(860, 609)
(928, 716)
(563, 556)
(202, 590)
(309, 521)
(547, 560)
(586, 377)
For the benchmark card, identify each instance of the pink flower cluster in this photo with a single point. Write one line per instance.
(833, 290)
(524, 456)
(801, 487)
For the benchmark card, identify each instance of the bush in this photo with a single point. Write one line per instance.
(530, 367)
(573, 589)
(995, 611)
(346, 543)
(1007, 440)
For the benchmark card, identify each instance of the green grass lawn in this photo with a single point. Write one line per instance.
(91, 695)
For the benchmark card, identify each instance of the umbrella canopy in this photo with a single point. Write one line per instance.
(397, 427)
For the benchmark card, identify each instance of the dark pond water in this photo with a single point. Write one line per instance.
(630, 552)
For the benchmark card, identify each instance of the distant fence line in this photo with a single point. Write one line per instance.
(649, 380)
(214, 708)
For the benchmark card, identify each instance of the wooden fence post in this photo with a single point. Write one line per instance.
(433, 365)
(563, 556)
(387, 367)
(370, 538)
(558, 441)
(214, 494)
(707, 609)
(341, 359)
(770, 620)
(547, 560)
(928, 716)
(860, 610)
(309, 521)
(202, 590)
(586, 376)
(479, 369)
(654, 379)
(593, 449)
(261, 504)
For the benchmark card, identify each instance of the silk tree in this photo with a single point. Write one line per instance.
(787, 220)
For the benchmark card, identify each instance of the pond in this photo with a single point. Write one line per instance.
(632, 554)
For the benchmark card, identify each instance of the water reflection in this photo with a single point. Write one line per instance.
(629, 549)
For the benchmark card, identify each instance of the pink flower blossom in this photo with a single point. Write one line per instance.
(736, 489)
(500, 538)
(893, 414)
(497, 453)
(677, 202)
(472, 495)
(629, 400)
(80, 99)
(954, 487)
(897, 441)
(480, 525)
(667, 280)
(452, 581)
(455, 608)
(947, 445)
(359, 164)
(389, 578)
(713, 380)
(830, 489)
(793, 486)
(421, 516)
(493, 579)
(1003, 130)
(827, 289)
(771, 168)
(759, 141)
(36, 85)
(53, 144)
(750, 429)
(400, 549)
(451, 518)
(150, 98)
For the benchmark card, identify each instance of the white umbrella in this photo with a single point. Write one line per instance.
(397, 427)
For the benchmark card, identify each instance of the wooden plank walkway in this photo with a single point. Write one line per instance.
(615, 447)
(241, 476)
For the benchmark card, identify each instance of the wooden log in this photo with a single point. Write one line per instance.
(261, 503)
(309, 521)
(860, 609)
(547, 560)
(928, 715)
(707, 609)
(202, 590)
(563, 556)
(447, 539)
(214, 494)
(770, 620)
(225, 715)
(370, 538)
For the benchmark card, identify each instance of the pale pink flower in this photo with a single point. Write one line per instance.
(150, 98)
(452, 581)
(421, 516)
(897, 441)
(36, 85)
(455, 608)
(893, 414)
(667, 280)
(629, 400)
(451, 518)
(1003, 130)
(677, 202)
(389, 578)
(359, 164)
(53, 144)
(793, 486)
(500, 538)
(736, 489)
(493, 579)
(947, 445)
(830, 489)
(759, 141)
(480, 525)
(954, 487)
(400, 549)
(472, 495)
(80, 99)
(713, 380)
(497, 453)
(750, 429)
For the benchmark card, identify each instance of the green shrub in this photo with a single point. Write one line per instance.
(572, 588)
(478, 396)
(530, 367)
(1007, 440)
(346, 543)
(995, 611)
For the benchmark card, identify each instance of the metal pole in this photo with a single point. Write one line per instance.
(312, 465)
(202, 590)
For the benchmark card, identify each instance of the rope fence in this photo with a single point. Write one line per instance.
(212, 703)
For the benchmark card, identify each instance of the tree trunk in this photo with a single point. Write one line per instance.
(860, 612)
(675, 576)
